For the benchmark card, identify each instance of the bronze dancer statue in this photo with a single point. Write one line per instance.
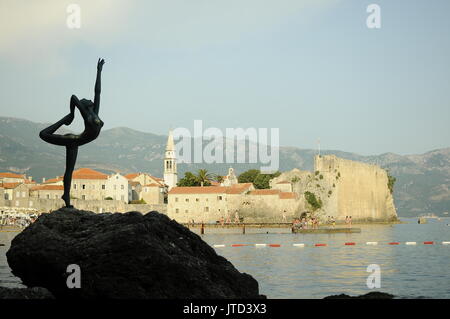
(92, 126)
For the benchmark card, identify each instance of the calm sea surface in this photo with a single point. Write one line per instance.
(421, 271)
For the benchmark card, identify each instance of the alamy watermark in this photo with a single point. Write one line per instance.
(73, 20)
(374, 279)
(236, 145)
(373, 21)
(74, 279)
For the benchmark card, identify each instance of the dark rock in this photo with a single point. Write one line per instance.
(370, 295)
(123, 256)
(25, 293)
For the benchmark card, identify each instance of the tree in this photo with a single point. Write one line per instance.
(249, 176)
(189, 179)
(218, 178)
(204, 177)
(262, 180)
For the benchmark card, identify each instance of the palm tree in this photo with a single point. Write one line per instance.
(219, 178)
(203, 176)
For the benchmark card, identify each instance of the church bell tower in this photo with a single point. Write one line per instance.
(170, 163)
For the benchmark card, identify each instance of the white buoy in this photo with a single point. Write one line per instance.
(218, 246)
(409, 243)
(298, 245)
(260, 245)
(372, 243)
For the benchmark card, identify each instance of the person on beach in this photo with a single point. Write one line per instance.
(92, 123)
(284, 216)
(350, 221)
(236, 217)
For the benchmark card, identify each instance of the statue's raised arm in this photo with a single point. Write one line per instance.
(98, 85)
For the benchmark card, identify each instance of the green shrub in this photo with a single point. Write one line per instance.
(295, 179)
(391, 182)
(314, 202)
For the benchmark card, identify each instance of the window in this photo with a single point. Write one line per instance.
(187, 199)
(219, 197)
(206, 209)
(74, 186)
(31, 203)
(176, 210)
(197, 199)
(176, 199)
(48, 196)
(122, 187)
(83, 186)
(186, 211)
(103, 187)
(23, 194)
(83, 197)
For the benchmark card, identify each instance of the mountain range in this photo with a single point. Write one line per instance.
(422, 185)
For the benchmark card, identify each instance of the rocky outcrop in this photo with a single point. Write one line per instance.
(344, 188)
(25, 293)
(123, 256)
(370, 295)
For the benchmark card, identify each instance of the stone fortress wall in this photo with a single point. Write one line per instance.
(345, 188)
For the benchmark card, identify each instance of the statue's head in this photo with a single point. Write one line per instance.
(86, 102)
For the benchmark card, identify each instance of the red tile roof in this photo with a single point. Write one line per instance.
(235, 189)
(48, 188)
(265, 192)
(88, 173)
(10, 185)
(132, 175)
(198, 190)
(11, 175)
(239, 188)
(53, 180)
(288, 195)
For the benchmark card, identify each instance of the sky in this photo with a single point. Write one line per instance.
(311, 68)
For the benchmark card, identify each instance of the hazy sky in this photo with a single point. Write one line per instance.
(309, 67)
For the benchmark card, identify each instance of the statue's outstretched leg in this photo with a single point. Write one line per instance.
(48, 134)
(71, 157)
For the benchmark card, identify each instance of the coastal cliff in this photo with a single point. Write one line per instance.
(340, 188)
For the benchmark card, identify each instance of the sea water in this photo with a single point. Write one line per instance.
(288, 271)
